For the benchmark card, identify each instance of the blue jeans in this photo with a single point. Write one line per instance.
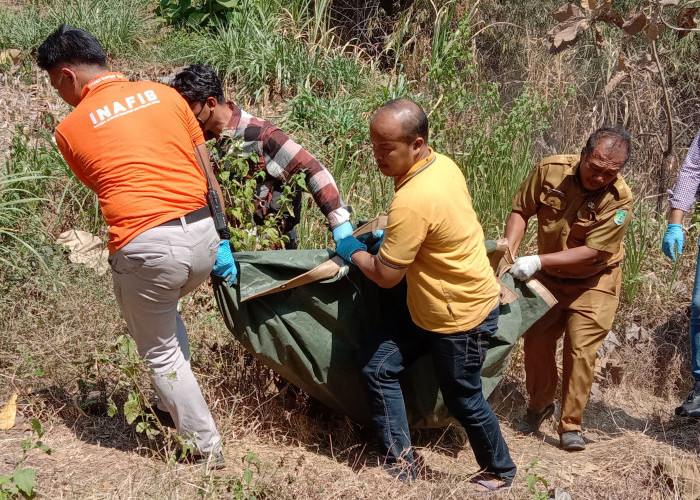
(457, 360)
(695, 325)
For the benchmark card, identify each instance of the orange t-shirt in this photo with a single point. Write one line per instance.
(133, 144)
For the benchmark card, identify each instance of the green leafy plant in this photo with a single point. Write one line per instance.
(238, 179)
(195, 13)
(246, 487)
(450, 65)
(535, 482)
(133, 370)
(22, 482)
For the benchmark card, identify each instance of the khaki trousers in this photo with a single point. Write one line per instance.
(584, 315)
(150, 274)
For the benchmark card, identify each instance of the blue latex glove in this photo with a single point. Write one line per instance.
(225, 267)
(673, 241)
(373, 240)
(348, 246)
(342, 231)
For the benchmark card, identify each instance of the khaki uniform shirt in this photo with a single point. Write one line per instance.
(569, 216)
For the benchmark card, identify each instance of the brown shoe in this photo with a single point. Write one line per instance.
(533, 419)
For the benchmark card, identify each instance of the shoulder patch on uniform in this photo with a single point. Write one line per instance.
(620, 217)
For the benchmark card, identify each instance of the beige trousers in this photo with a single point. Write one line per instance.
(150, 274)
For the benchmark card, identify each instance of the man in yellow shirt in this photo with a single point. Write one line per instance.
(433, 238)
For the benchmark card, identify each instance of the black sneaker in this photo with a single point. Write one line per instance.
(533, 419)
(691, 404)
(572, 441)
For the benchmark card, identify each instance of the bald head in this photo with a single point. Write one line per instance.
(409, 117)
(399, 135)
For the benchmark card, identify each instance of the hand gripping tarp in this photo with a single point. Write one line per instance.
(311, 334)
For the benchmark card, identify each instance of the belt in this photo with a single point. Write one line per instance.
(192, 217)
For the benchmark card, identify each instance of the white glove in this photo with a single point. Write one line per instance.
(525, 267)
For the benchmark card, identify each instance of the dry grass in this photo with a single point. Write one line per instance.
(308, 452)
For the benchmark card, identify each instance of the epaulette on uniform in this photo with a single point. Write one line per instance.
(560, 160)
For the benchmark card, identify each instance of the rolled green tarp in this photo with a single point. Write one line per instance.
(312, 335)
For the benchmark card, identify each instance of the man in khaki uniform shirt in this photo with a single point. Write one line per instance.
(583, 208)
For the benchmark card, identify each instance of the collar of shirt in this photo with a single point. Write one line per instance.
(111, 76)
(235, 117)
(415, 170)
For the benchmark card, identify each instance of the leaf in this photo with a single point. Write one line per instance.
(112, 409)
(666, 3)
(566, 34)
(9, 413)
(653, 30)
(229, 4)
(635, 23)
(132, 408)
(44, 448)
(567, 12)
(610, 16)
(25, 480)
(588, 4)
(686, 20)
(248, 476)
(10, 56)
(197, 18)
(644, 62)
(26, 444)
(37, 427)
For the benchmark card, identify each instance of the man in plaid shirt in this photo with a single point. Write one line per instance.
(681, 199)
(278, 155)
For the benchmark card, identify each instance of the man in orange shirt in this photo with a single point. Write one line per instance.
(140, 148)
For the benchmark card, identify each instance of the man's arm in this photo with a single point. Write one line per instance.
(515, 230)
(681, 199)
(67, 154)
(284, 158)
(579, 262)
(372, 267)
(675, 216)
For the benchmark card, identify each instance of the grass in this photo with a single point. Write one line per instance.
(118, 25)
(59, 320)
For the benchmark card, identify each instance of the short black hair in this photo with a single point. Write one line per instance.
(413, 118)
(70, 45)
(617, 133)
(197, 82)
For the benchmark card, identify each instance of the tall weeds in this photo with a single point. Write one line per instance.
(117, 25)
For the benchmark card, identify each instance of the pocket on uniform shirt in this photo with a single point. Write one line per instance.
(552, 204)
(581, 226)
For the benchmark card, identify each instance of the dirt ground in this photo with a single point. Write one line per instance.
(632, 453)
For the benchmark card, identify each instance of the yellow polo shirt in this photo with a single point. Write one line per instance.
(434, 232)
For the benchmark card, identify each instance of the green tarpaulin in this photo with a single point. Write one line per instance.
(311, 335)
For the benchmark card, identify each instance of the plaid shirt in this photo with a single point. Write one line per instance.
(281, 158)
(682, 196)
